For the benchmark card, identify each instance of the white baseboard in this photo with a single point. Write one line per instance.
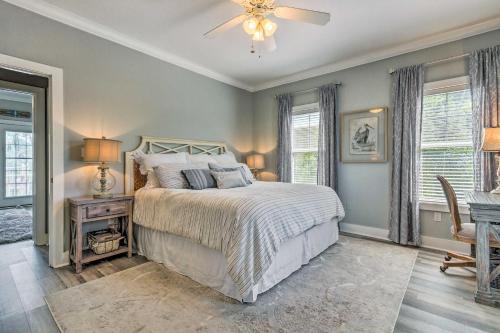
(442, 244)
(363, 230)
(428, 242)
(64, 260)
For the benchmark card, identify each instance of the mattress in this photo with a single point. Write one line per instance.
(209, 267)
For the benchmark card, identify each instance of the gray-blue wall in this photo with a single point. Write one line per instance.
(365, 187)
(120, 93)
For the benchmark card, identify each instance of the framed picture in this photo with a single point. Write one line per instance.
(363, 136)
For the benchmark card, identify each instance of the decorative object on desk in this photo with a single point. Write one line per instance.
(104, 241)
(103, 151)
(364, 136)
(491, 143)
(256, 163)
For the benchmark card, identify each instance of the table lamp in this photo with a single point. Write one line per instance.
(255, 162)
(103, 151)
(491, 143)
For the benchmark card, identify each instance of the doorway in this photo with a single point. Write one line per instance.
(23, 177)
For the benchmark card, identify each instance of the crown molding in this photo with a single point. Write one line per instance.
(418, 44)
(81, 23)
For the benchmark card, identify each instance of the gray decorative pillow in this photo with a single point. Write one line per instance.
(245, 172)
(199, 179)
(170, 175)
(229, 179)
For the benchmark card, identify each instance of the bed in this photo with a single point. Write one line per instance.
(240, 241)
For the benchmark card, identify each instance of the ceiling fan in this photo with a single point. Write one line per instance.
(256, 22)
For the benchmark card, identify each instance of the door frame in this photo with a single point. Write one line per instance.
(55, 151)
(39, 166)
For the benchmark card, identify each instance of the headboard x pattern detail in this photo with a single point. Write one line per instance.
(154, 145)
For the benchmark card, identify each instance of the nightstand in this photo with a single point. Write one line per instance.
(87, 210)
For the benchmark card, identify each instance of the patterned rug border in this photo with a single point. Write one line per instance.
(413, 259)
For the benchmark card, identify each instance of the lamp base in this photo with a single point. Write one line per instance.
(103, 182)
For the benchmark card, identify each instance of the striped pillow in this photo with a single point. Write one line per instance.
(243, 168)
(170, 175)
(229, 179)
(199, 179)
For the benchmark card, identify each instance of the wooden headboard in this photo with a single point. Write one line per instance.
(134, 180)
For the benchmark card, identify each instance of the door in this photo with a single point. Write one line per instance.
(23, 171)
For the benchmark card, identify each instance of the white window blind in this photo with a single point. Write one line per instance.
(446, 142)
(305, 128)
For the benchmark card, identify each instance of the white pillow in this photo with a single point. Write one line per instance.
(148, 162)
(227, 157)
(197, 158)
(170, 174)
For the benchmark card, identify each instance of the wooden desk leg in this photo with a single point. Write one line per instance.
(482, 260)
(79, 248)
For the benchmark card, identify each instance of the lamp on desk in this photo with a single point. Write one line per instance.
(255, 162)
(491, 143)
(102, 151)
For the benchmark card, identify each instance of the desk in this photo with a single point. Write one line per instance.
(485, 211)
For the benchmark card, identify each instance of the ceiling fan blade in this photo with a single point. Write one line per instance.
(303, 15)
(226, 26)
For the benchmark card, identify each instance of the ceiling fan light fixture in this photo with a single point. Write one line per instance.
(259, 34)
(269, 27)
(250, 25)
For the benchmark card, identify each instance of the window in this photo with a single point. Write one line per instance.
(305, 128)
(446, 144)
(18, 164)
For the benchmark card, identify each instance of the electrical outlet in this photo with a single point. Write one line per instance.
(437, 217)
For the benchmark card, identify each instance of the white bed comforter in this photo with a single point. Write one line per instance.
(247, 224)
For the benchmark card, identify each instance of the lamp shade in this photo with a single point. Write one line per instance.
(491, 139)
(101, 150)
(255, 161)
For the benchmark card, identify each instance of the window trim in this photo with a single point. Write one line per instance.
(299, 110)
(436, 87)
(434, 206)
(441, 86)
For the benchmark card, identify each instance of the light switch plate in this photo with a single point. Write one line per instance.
(437, 217)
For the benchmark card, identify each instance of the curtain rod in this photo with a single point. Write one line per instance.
(435, 62)
(308, 90)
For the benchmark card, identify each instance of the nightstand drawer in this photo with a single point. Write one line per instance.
(106, 210)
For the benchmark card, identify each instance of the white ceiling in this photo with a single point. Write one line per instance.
(361, 31)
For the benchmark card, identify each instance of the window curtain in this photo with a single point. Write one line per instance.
(327, 154)
(484, 69)
(407, 94)
(285, 104)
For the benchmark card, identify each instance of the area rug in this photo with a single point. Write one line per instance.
(354, 286)
(15, 225)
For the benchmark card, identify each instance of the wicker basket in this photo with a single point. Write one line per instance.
(104, 241)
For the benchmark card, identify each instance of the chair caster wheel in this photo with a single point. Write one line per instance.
(443, 269)
(447, 258)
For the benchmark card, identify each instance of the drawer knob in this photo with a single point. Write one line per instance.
(108, 210)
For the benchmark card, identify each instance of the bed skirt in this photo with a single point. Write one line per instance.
(208, 267)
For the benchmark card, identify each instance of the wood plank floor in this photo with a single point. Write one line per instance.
(25, 278)
(437, 302)
(434, 302)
